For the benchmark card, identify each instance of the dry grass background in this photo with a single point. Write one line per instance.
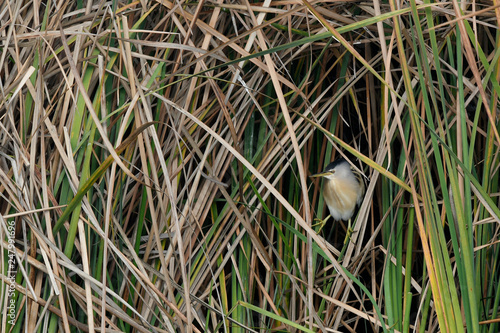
(154, 162)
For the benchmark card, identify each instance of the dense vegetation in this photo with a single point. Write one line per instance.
(154, 163)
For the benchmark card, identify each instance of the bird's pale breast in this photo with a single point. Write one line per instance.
(341, 197)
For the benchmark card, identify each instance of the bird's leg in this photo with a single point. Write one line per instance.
(348, 232)
(346, 240)
(321, 222)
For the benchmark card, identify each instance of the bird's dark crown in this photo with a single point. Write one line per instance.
(335, 163)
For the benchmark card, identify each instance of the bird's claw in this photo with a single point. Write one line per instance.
(321, 223)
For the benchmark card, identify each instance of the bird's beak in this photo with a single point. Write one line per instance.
(321, 174)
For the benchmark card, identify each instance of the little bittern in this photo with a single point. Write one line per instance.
(343, 189)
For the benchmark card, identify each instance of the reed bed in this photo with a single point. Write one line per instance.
(155, 154)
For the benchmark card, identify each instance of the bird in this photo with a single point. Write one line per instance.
(343, 189)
